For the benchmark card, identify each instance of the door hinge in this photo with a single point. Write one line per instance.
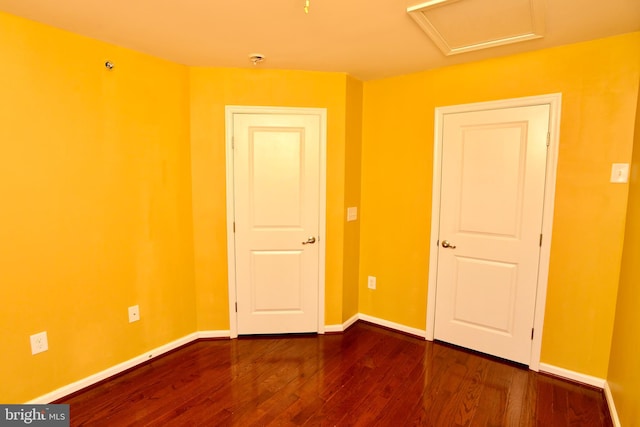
(531, 332)
(233, 142)
(234, 226)
(237, 310)
(548, 138)
(540, 239)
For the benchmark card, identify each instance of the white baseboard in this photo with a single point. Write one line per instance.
(213, 334)
(342, 327)
(572, 375)
(611, 404)
(392, 325)
(377, 321)
(114, 370)
(353, 319)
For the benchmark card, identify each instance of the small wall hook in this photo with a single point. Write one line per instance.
(109, 65)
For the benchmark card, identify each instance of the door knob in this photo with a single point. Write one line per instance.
(311, 240)
(448, 244)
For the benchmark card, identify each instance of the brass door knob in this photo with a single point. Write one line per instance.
(311, 240)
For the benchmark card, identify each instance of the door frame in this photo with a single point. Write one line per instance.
(230, 110)
(554, 101)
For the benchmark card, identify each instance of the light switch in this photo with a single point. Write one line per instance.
(352, 214)
(620, 173)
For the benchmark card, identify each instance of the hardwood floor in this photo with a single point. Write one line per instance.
(368, 376)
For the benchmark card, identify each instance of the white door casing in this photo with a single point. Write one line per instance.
(276, 198)
(488, 292)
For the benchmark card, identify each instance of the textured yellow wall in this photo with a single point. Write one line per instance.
(95, 216)
(599, 84)
(624, 368)
(211, 90)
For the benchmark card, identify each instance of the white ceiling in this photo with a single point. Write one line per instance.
(367, 39)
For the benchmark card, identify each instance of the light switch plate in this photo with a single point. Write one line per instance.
(352, 214)
(620, 173)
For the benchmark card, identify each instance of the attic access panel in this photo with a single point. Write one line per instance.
(458, 26)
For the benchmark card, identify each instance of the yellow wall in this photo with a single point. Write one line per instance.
(599, 84)
(95, 216)
(624, 369)
(352, 198)
(97, 178)
(211, 90)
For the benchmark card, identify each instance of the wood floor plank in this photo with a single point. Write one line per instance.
(392, 380)
(493, 402)
(367, 376)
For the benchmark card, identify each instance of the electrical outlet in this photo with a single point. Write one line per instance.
(39, 342)
(371, 282)
(134, 313)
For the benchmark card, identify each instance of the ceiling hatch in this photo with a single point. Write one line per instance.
(459, 26)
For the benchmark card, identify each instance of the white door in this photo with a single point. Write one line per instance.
(276, 206)
(491, 210)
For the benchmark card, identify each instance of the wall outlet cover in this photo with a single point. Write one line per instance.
(620, 173)
(39, 342)
(371, 282)
(134, 313)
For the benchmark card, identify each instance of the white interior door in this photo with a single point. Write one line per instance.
(276, 214)
(491, 210)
